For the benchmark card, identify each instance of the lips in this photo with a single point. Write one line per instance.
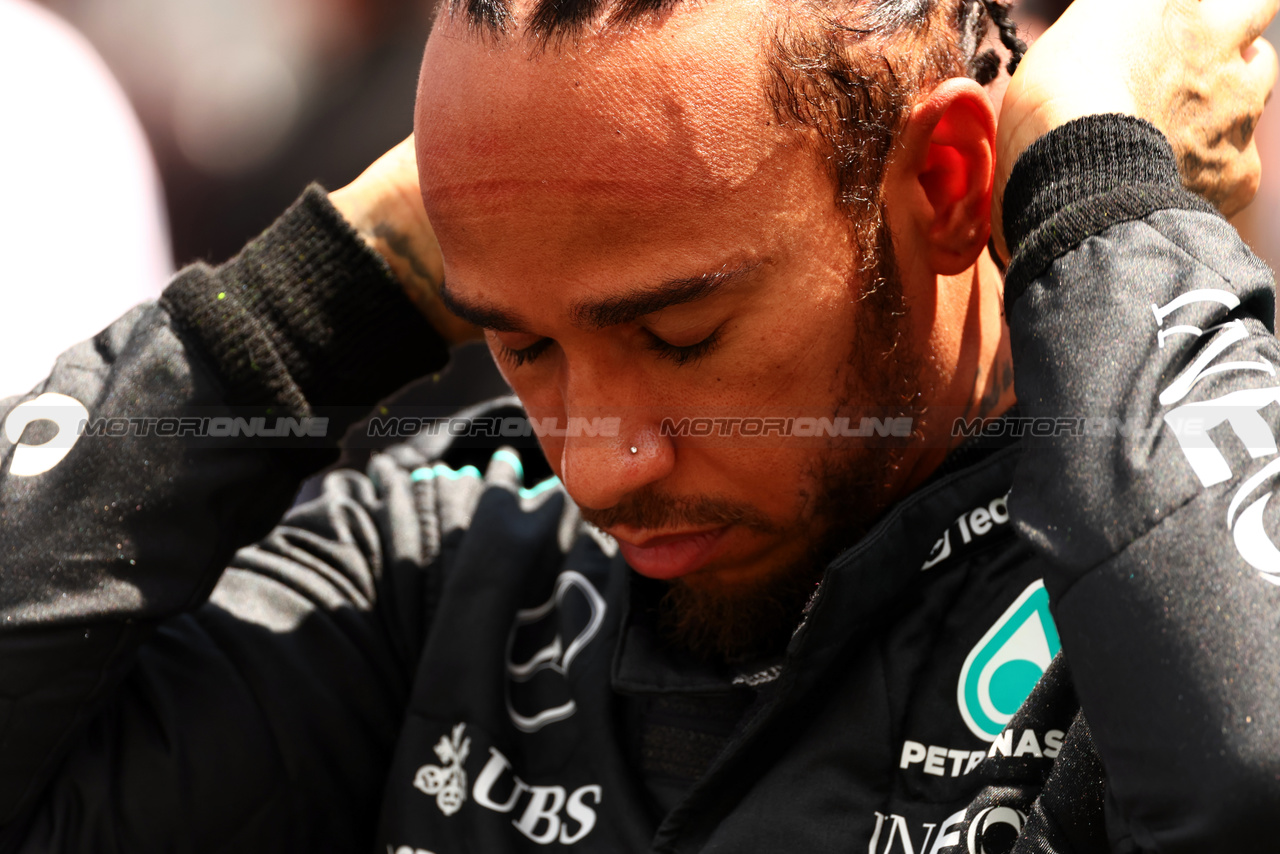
(674, 555)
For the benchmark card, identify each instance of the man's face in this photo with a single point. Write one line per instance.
(642, 241)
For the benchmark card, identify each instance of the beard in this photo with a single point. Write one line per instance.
(850, 487)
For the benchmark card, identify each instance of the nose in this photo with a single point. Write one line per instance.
(614, 443)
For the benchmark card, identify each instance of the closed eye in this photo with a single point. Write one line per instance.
(679, 354)
(524, 355)
(683, 355)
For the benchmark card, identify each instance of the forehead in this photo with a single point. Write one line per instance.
(676, 108)
(685, 90)
(616, 160)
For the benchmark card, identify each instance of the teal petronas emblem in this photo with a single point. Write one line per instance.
(1005, 665)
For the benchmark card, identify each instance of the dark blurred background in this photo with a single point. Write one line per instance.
(245, 102)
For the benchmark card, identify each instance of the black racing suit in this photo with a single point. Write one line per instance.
(438, 655)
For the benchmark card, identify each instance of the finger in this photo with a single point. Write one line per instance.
(1246, 19)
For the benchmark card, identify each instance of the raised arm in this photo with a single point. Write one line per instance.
(114, 531)
(1142, 329)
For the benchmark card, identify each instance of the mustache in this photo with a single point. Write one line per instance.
(648, 508)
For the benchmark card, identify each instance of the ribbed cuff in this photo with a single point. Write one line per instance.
(306, 317)
(1080, 179)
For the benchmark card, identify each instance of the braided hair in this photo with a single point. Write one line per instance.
(975, 16)
(844, 73)
(850, 71)
(552, 18)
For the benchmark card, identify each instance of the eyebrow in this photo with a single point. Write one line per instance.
(484, 316)
(637, 303)
(610, 311)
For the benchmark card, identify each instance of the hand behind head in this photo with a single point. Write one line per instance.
(1196, 69)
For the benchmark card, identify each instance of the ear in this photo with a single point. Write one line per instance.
(947, 166)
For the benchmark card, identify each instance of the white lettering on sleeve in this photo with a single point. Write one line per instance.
(66, 412)
(1192, 422)
(1229, 334)
(1226, 298)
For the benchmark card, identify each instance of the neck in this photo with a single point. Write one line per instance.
(970, 361)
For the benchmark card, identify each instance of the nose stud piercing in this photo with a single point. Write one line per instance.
(634, 449)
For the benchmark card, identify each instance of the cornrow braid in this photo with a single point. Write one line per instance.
(844, 73)
(975, 15)
(561, 17)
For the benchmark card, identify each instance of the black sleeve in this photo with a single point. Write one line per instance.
(127, 481)
(1145, 366)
